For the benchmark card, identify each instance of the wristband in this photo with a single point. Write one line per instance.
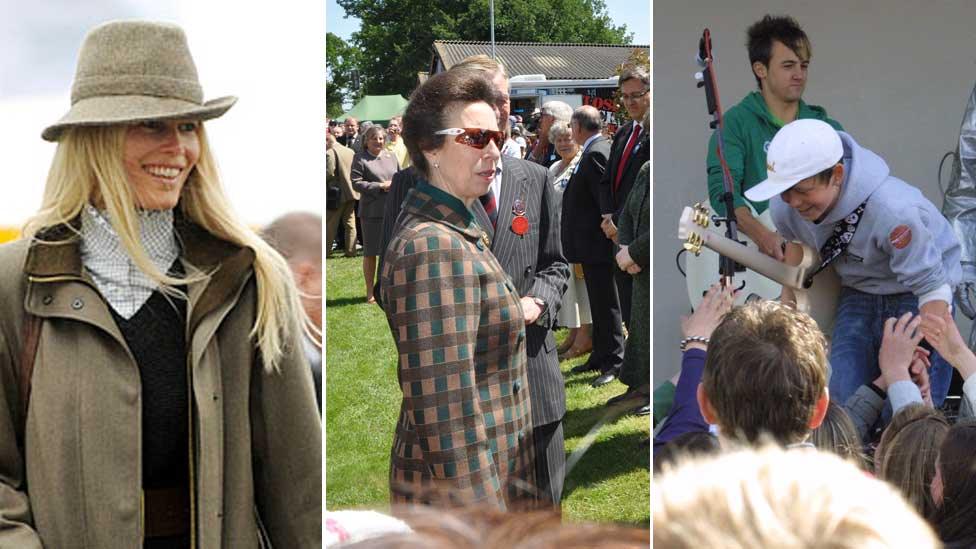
(697, 339)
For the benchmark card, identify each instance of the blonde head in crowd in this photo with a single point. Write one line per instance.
(788, 499)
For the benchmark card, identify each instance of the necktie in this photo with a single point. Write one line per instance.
(491, 207)
(623, 158)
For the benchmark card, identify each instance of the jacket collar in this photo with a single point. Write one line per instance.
(56, 253)
(429, 202)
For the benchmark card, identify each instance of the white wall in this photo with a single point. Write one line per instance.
(896, 73)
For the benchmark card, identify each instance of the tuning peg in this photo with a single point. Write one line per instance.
(700, 215)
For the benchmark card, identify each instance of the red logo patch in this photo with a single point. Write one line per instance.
(900, 237)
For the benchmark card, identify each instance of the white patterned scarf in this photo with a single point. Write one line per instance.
(120, 282)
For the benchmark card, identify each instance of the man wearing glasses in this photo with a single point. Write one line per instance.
(779, 52)
(628, 152)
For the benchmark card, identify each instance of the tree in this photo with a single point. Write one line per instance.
(396, 37)
(341, 60)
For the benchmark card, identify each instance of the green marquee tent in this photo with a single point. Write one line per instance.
(377, 108)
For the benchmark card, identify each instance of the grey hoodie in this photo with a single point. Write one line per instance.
(903, 244)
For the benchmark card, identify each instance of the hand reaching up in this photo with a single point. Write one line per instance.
(708, 315)
(943, 334)
(901, 337)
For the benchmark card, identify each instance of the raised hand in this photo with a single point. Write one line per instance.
(943, 334)
(901, 337)
(708, 315)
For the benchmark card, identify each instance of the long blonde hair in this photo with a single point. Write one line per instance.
(88, 166)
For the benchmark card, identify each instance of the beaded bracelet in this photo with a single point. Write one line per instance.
(697, 339)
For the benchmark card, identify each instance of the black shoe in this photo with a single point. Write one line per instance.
(604, 379)
(644, 410)
(631, 394)
(584, 367)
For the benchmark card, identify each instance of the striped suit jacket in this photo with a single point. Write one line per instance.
(464, 432)
(534, 261)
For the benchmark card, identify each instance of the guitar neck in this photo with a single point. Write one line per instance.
(789, 276)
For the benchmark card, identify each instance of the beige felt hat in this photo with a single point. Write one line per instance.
(130, 71)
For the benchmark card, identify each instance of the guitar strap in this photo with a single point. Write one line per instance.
(839, 241)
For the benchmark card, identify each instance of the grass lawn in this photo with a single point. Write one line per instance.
(609, 482)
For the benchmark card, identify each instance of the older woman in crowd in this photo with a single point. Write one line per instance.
(372, 174)
(574, 313)
(155, 394)
(464, 433)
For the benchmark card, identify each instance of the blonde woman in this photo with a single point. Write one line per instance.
(155, 393)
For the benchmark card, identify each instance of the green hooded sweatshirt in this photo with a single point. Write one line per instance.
(748, 129)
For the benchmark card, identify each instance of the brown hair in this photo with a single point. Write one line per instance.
(837, 434)
(908, 451)
(955, 519)
(431, 105)
(765, 371)
(488, 528)
(784, 29)
(634, 72)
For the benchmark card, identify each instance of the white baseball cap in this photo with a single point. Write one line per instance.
(799, 150)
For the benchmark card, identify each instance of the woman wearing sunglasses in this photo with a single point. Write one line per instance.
(464, 433)
(155, 393)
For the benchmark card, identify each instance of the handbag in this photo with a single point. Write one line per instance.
(332, 196)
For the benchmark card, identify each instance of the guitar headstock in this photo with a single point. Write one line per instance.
(693, 221)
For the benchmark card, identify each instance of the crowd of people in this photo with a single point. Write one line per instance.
(776, 434)
(489, 237)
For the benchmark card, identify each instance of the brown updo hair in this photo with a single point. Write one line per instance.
(432, 102)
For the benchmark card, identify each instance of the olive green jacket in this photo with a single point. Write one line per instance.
(76, 481)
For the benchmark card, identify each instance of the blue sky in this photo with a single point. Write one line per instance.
(621, 11)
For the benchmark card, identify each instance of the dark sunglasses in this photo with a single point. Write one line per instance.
(475, 137)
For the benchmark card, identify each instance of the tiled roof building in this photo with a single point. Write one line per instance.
(556, 61)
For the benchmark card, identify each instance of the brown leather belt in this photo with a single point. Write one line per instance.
(167, 511)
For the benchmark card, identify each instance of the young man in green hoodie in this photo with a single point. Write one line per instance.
(779, 52)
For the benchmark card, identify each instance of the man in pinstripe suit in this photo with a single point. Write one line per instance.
(535, 263)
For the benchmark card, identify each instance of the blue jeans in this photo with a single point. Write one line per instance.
(856, 341)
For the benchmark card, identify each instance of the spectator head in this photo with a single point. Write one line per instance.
(495, 72)
(297, 236)
(837, 434)
(794, 499)
(480, 526)
(908, 452)
(561, 136)
(635, 86)
(351, 126)
(584, 123)
(435, 103)
(778, 48)
(551, 112)
(394, 127)
(765, 374)
(954, 486)
(374, 137)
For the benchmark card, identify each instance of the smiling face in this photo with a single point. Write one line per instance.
(374, 143)
(462, 170)
(158, 157)
(786, 76)
(814, 197)
(566, 146)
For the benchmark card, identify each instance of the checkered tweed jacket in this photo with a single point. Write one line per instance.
(464, 433)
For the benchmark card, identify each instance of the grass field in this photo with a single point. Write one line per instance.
(610, 479)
